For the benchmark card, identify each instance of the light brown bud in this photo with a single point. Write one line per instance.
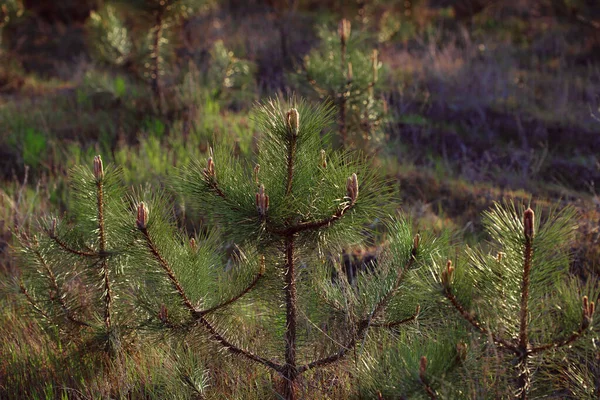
(416, 242)
(447, 274)
(528, 220)
(98, 168)
(423, 366)
(323, 159)
(163, 314)
(350, 74)
(461, 351)
(293, 121)
(142, 216)
(375, 63)
(263, 267)
(193, 244)
(588, 311)
(209, 171)
(352, 188)
(499, 256)
(344, 30)
(256, 171)
(52, 230)
(262, 201)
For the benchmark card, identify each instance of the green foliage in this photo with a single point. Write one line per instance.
(111, 39)
(34, 144)
(520, 296)
(75, 269)
(344, 70)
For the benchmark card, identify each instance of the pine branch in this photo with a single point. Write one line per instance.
(232, 300)
(382, 303)
(561, 343)
(586, 320)
(69, 249)
(32, 301)
(473, 320)
(56, 287)
(167, 268)
(107, 294)
(313, 225)
(396, 323)
(198, 316)
(237, 350)
(364, 325)
(423, 379)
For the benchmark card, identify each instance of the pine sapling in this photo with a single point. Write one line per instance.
(69, 273)
(290, 207)
(345, 71)
(508, 297)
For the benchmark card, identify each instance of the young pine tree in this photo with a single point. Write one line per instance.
(72, 273)
(344, 70)
(523, 301)
(146, 45)
(298, 203)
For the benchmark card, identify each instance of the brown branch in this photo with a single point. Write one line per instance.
(167, 268)
(56, 287)
(393, 324)
(237, 350)
(107, 293)
(199, 315)
(235, 298)
(475, 323)
(363, 325)
(564, 342)
(67, 248)
(313, 225)
(330, 359)
(423, 378)
(31, 301)
(212, 184)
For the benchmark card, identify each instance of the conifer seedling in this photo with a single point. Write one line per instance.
(72, 273)
(299, 202)
(522, 299)
(344, 70)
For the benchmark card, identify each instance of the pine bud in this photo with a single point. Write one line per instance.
(417, 310)
(588, 311)
(352, 188)
(263, 268)
(262, 201)
(98, 168)
(293, 121)
(461, 351)
(416, 242)
(193, 244)
(350, 74)
(163, 314)
(323, 159)
(375, 63)
(52, 230)
(423, 366)
(447, 274)
(499, 256)
(209, 171)
(142, 216)
(344, 29)
(528, 219)
(256, 171)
